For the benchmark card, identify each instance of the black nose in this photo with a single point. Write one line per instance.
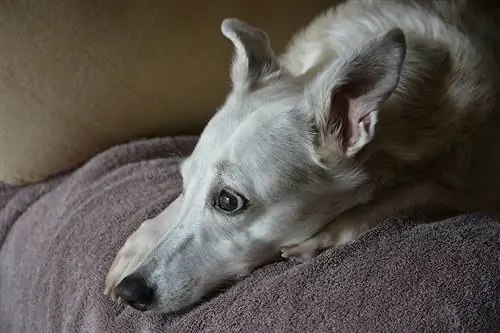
(135, 291)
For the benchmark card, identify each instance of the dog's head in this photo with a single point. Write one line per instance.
(273, 166)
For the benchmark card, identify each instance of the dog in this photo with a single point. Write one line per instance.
(374, 109)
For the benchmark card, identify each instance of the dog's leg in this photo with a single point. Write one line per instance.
(349, 225)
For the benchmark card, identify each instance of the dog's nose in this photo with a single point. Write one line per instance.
(135, 291)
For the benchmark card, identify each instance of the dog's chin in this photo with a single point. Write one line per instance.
(180, 309)
(163, 309)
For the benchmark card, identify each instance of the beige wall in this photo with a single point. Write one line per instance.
(77, 76)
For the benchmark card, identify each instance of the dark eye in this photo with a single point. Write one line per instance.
(230, 202)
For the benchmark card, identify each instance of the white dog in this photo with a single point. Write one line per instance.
(377, 107)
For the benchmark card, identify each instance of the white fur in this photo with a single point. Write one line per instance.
(140, 244)
(376, 108)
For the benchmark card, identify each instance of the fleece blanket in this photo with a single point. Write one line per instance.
(414, 273)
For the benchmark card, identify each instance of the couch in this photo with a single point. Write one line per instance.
(97, 100)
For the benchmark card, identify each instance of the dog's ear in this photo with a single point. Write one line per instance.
(254, 60)
(346, 97)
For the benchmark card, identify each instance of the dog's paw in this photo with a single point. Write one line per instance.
(302, 252)
(345, 229)
(128, 258)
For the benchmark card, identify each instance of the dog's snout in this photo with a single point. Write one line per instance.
(135, 291)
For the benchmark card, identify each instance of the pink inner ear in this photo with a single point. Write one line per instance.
(365, 120)
(339, 118)
(356, 117)
(346, 114)
(353, 130)
(357, 114)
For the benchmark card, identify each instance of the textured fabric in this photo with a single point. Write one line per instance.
(59, 238)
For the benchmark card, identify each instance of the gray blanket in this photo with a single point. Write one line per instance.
(57, 240)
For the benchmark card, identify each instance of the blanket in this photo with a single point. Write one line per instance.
(420, 272)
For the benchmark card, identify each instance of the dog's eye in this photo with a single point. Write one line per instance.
(230, 202)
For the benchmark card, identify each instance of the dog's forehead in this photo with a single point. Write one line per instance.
(261, 136)
(248, 114)
(263, 131)
(267, 126)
